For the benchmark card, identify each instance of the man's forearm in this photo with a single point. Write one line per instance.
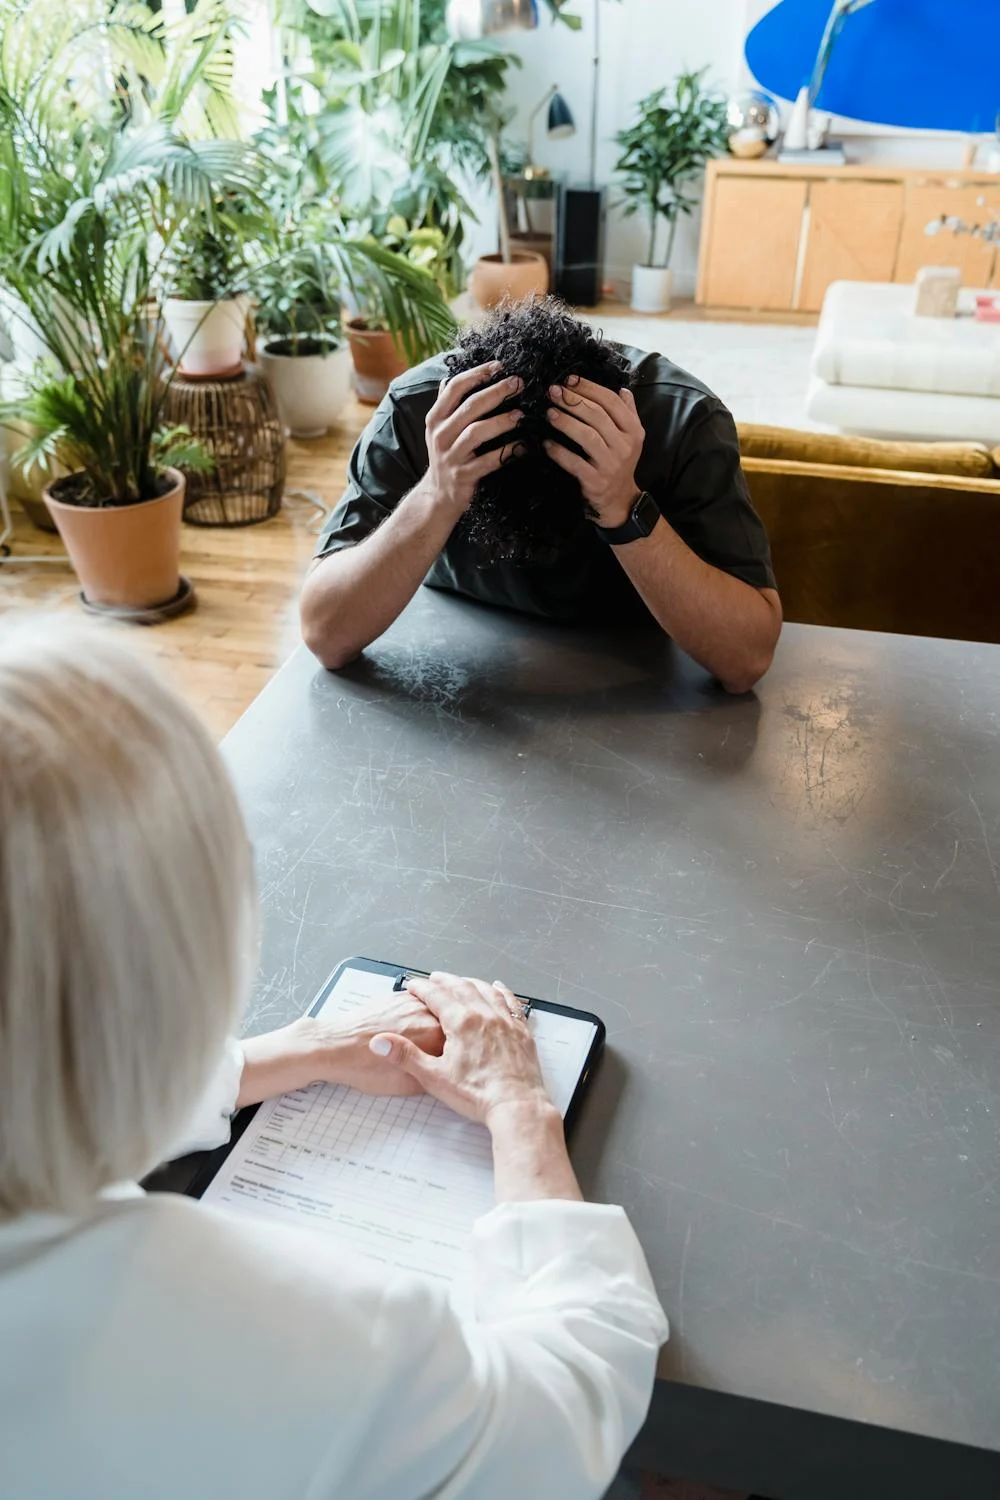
(353, 595)
(728, 626)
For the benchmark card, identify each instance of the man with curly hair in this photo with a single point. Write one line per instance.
(538, 468)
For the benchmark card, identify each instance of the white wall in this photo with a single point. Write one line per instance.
(645, 43)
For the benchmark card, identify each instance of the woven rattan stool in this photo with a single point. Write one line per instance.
(237, 422)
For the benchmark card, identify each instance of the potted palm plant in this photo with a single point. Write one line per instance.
(662, 155)
(96, 404)
(92, 193)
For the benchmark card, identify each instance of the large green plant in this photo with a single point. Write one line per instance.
(316, 256)
(96, 180)
(664, 153)
(398, 110)
(317, 263)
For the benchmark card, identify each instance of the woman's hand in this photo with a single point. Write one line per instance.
(344, 1044)
(336, 1050)
(489, 1060)
(489, 1072)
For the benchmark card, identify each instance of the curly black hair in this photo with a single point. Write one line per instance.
(530, 509)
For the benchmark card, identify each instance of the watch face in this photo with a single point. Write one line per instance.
(645, 513)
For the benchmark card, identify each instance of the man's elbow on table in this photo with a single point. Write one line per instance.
(745, 680)
(757, 653)
(318, 621)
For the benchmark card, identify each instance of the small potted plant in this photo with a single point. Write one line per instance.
(663, 155)
(377, 352)
(400, 313)
(206, 312)
(300, 340)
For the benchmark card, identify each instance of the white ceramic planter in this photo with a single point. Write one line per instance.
(310, 389)
(652, 288)
(207, 337)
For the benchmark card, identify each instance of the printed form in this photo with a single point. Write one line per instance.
(402, 1181)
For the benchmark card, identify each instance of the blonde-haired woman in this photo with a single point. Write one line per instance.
(151, 1346)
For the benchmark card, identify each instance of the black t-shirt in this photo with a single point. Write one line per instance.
(690, 464)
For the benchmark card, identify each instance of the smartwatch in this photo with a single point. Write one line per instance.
(642, 518)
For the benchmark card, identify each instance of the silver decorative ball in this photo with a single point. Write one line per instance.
(754, 123)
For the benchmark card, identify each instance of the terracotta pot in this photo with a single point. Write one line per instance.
(525, 275)
(125, 556)
(378, 359)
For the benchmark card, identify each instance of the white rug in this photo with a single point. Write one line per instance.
(760, 370)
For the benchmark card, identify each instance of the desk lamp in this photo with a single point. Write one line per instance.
(559, 126)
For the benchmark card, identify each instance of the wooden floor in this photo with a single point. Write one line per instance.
(222, 653)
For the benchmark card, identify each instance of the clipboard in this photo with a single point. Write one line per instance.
(400, 1178)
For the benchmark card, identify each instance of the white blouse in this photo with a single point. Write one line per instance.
(159, 1348)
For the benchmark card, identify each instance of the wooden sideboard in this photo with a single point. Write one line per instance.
(775, 235)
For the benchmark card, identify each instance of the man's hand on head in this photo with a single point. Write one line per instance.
(462, 420)
(605, 424)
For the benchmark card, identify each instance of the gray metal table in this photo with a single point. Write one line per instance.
(787, 909)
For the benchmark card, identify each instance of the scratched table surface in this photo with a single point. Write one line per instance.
(786, 907)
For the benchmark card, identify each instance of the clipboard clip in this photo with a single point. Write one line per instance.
(400, 982)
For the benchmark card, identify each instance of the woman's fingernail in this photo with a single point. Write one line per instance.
(555, 391)
(380, 1045)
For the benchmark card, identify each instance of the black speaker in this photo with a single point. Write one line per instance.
(579, 243)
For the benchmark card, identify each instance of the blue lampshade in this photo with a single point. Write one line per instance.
(560, 122)
(929, 64)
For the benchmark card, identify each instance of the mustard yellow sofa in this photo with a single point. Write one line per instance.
(879, 535)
